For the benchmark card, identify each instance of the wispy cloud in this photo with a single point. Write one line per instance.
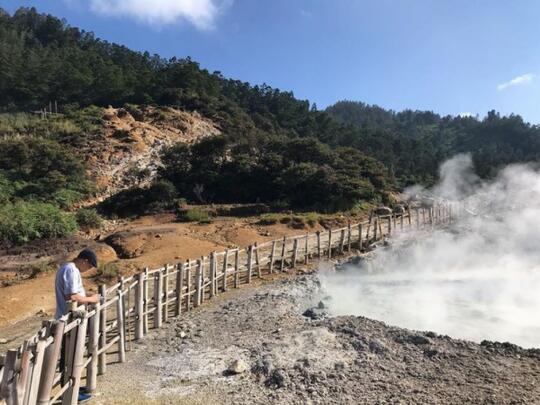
(466, 114)
(201, 13)
(517, 81)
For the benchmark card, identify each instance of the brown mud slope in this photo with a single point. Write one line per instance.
(281, 356)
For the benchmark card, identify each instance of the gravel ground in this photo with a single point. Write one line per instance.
(272, 343)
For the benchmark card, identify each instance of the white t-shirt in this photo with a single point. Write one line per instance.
(68, 281)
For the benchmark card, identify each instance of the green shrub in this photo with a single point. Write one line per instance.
(107, 272)
(196, 215)
(269, 219)
(88, 218)
(42, 267)
(22, 222)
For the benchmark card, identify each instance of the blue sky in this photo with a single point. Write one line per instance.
(449, 56)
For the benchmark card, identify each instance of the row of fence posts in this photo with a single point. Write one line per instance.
(51, 364)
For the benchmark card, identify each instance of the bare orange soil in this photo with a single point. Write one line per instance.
(149, 241)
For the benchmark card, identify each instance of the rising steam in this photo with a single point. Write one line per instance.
(479, 279)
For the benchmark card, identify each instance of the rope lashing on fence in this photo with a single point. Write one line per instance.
(31, 374)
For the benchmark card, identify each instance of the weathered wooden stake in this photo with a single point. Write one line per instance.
(120, 319)
(306, 249)
(329, 243)
(93, 349)
(199, 281)
(256, 250)
(236, 268)
(360, 236)
(50, 361)
(249, 263)
(166, 293)
(188, 285)
(342, 242)
(145, 302)
(272, 256)
(349, 236)
(318, 244)
(295, 252)
(225, 268)
(102, 358)
(158, 296)
(139, 307)
(212, 274)
(282, 267)
(71, 394)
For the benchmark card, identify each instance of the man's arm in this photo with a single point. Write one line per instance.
(81, 299)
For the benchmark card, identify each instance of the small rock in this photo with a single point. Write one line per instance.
(418, 340)
(3, 341)
(238, 366)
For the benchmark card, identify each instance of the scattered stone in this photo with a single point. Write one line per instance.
(238, 366)
(3, 341)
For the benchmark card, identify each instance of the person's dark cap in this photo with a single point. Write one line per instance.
(90, 256)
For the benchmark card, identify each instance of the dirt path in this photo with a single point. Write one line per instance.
(285, 357)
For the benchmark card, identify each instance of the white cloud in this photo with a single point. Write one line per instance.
(466, 114)
(200, 13)
(516, 81)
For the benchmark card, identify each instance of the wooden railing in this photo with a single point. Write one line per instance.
(51, 364)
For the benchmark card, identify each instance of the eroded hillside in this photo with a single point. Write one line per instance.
(126, 152)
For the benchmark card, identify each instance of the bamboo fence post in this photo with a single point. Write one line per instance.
(93, 349)
(256, 249)
(375, 224)
(329, 243)
(212, 274)
(236, 268)
(225, 266)
(272, 256)
(198, 281)
(282, 267)
(342, 242)
(318, 244)
(72, 393)
(349, 236)
(360, 236)
(102, 358)
(120, 320)
(69, 346)
(37, 369)
(417, 218)
(179, 288)
(25, 368)
(401, 221)
(145, 302)
(139, 307)
(295, 252)
(188, 285)
(202, 279)
(389, 225)
(8, 388)
(158, 294)
(166, 293)
(50, 360)
(306, 248)
(249, 262)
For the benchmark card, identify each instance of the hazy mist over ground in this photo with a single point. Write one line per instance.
(478, 280)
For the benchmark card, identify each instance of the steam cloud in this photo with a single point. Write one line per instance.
(479, 279)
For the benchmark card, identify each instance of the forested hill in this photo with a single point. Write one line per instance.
(273, 148)
(414, 143)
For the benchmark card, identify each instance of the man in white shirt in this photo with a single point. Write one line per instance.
(68, 283)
